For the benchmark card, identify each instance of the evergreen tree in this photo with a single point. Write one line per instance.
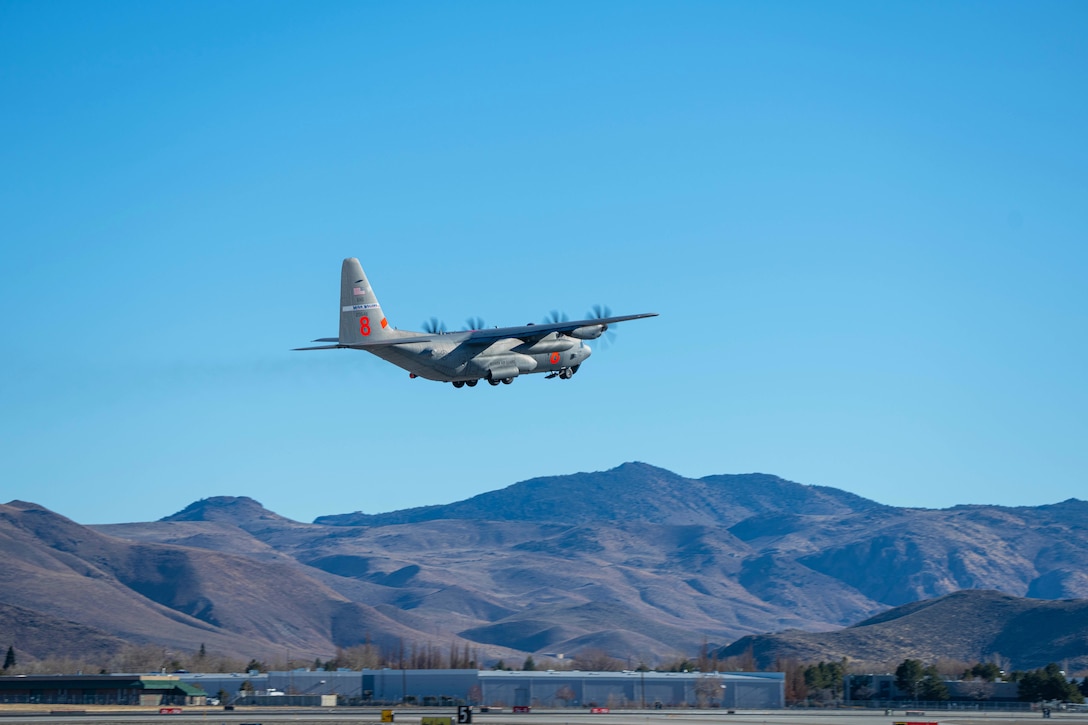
(1048, 683)
(9, 660)
(825, 679)
(932, 686)
(1031, 687)
(908, 675)
(529, 665)
(987, 671)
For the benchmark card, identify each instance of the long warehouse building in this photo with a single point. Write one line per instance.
(504, 688)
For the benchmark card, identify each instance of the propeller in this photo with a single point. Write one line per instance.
(599, 312)
(557, 316)
(608, 336)
(475, 323)
(434, 326)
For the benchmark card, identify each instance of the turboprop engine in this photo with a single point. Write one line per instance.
(588, 332)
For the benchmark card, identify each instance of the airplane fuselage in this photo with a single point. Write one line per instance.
(465, 361)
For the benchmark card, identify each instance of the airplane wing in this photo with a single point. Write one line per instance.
(525, 333)
(530, 333)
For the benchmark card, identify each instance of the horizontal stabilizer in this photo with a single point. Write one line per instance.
(374, 343)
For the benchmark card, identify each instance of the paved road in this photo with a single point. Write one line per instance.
(366, 716)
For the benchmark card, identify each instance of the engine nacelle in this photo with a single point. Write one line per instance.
(507, 365)
(588, 332)
(555, 342)
(501, 371)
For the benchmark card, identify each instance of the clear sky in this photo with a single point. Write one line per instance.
(864, 226)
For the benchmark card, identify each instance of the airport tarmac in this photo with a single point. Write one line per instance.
(367, 716)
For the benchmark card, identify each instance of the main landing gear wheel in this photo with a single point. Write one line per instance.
(458, 383)
(493, 382)
(471, 383)
(507, 381)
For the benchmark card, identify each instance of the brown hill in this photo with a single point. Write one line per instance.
(40, 635)
(150, 592)
(241, 511)
(636, 561)
(973, 626)
(631, 492)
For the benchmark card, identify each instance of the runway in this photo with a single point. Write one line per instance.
(368, 716)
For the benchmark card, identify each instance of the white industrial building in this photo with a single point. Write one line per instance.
(504, 688)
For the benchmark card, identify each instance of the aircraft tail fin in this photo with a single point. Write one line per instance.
(361, 317)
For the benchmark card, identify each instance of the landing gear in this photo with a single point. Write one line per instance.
(507, 381)
(458, 383)
(493, 382)
(471, 383)
(566, 374)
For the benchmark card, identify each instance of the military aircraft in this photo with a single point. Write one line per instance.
(497, 355)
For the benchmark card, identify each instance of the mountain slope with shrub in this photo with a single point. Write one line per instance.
(972, 626)
(636, 561)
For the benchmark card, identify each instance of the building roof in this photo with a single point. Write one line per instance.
(98, 682)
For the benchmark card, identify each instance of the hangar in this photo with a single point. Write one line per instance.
(748, 690)
(99, 690)
(515, 688)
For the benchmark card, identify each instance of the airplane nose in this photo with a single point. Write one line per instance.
(586, 351)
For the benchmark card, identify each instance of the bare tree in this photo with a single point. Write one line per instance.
(707, 689)
(566, 695)
(595, 660)
(979, 689)
(794, 671)
(744, 662)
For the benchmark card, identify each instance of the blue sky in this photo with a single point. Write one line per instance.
(864, 227)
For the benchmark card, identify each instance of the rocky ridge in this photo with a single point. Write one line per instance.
(637, 562)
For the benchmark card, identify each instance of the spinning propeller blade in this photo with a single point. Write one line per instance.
(434, 326)
(557, 316)
(608, 336)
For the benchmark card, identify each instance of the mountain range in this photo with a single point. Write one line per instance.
(636, 562)
(972, 625)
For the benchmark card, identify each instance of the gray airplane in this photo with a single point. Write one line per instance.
(497, 355)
